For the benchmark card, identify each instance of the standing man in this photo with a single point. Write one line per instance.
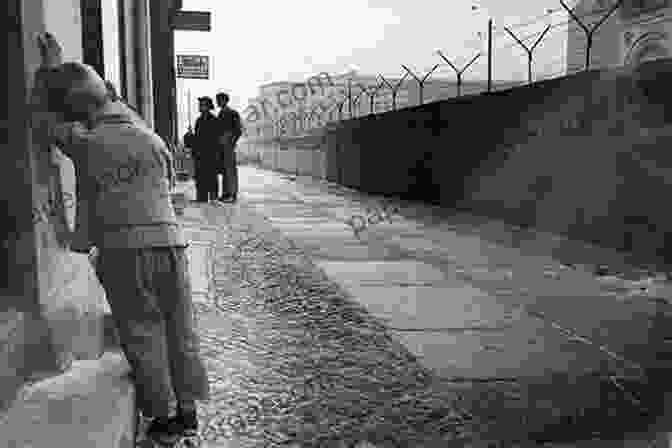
(205, 151)
(142, 263)
(231, 130)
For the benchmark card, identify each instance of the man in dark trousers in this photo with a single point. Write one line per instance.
(205, 151)
(231, 130)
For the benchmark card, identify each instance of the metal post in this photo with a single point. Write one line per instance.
(458, 72)
(589, 45)
(355, 100)
(189, 107)
(421, 82)
(590, 32)
(394, 89)
(350, 97)
(529, 50)
(372, 96)
(490, 55)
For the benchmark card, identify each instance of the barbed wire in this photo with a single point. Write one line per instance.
(441, 81)
(554, 31)
(531, 35)
(528, 22)
(595, 12)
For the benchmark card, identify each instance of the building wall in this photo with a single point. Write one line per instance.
(647, 34)
(615, 39)
(20, 328)
(50, 299)
(52, 305)
(522, 144)
(64, 17)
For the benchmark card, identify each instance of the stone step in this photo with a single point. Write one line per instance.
(92, 404)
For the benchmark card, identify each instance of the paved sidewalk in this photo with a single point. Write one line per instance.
(471, 298)
(290, 359)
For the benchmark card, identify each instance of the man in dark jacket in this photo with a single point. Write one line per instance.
(205, 151)
(231, 130)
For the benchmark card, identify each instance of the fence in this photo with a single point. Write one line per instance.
(446, 78)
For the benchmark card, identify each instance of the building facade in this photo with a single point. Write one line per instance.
(52, 307)
(639, 30)
(647, 31)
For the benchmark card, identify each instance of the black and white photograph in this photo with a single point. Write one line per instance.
(353, 224)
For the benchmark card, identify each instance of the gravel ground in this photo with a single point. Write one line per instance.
(294, 361)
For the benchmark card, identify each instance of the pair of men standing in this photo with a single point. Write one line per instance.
(213, 146)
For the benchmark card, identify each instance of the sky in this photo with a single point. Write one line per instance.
(261, 41)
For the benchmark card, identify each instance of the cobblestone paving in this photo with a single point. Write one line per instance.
(293, 361)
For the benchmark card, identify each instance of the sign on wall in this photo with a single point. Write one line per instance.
(192, 21)
(193, 66)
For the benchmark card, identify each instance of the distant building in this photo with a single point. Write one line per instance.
(647, 30)
(639, 30)
(291, 108)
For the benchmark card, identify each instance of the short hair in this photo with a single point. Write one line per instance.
(207, 101)
(223, 97)
(112, 91)
(68, 76)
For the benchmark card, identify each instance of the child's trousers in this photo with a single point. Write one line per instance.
(149, 292)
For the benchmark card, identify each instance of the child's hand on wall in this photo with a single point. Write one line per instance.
(50, 50)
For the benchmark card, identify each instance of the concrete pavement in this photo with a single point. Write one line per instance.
(470, 297)
(474, 297)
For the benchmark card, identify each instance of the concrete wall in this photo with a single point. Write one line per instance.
(598, 163)
(585, 155)
(305, 156)
(52, 307)
(50, 304)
